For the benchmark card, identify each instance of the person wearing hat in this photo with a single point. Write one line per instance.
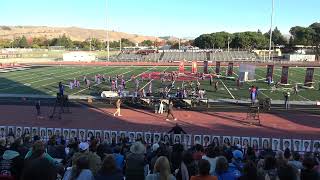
(94, 159)
(236, 165)
(135, 162)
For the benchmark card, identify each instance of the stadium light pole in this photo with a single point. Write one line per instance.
(108, 56)
(228, 43)
(270, 40)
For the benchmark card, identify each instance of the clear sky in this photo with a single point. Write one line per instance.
(180, 18)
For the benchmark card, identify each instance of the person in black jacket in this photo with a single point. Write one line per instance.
(177, 130)
(170, 111)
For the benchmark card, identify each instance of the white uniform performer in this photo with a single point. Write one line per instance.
(161, 108)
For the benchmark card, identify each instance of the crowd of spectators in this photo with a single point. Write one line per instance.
(29, 158)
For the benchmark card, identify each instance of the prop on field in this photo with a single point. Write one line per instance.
(284, 75)
(309, 78)
(61, 105)
(181, 67)
(205, 67)
(246, 72)
(217, 67)
(109, 95)
(194, 67)
(269, 75)
(230, 69)
(253, 114)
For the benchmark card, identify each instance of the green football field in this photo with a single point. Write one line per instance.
(44, 80)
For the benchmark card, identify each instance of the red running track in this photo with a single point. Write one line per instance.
(283, 125)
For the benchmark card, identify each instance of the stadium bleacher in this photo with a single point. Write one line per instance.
(199, 55)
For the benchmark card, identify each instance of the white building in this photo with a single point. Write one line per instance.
(79, 56)
(300, 57)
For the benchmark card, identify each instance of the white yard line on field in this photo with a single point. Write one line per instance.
(19, 80)
(227, 89)
(146, 84)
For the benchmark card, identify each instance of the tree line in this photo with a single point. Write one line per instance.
(66, 42)
(308, 36)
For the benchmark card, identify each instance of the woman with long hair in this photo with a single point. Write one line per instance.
(80, 171)
(161, 170)
(109, 170)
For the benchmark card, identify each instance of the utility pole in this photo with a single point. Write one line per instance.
(228, 43)
(120, 44)
(270, 40)
(90, 43)
(108, 55)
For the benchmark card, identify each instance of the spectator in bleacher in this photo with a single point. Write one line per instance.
(94, 159)
(222, 170)
(197, 155)
(176, 155)
(109, 170)
(118, 157)
(211, 157)
(161, 151)
(135, 162)
(269, 169)
(11, 163)
(249, 171)
(161, 170)
(187, 168)
(2, 145)
(236, 164)
(204, 171)
(286, 172)
(38, 151)
(295, 161)
(308, 171)
(51, 147)
(80, 171)
(39, 169)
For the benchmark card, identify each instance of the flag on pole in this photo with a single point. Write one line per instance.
(309, 77)
(205, 67)
(217, 67)
(181, 67)
(194, 67)
(269, 72)
(285, 74)
(230, 69)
